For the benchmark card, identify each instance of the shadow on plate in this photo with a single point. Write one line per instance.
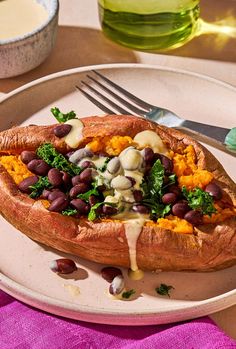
(187, 286)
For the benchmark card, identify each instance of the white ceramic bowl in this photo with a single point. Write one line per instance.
(23, 53)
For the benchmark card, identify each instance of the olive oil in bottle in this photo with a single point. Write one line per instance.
(149, 24)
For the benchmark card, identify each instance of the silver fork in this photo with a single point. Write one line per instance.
(212, 135)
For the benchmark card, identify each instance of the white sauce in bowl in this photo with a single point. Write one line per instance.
(19, 17)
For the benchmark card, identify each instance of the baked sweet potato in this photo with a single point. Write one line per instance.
(210, 244)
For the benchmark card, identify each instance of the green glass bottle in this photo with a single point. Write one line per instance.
(149, 24)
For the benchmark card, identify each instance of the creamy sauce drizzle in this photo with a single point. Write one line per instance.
(19, 17)
(150, 139)
(72, 289)
(120, 188)
(133, 223)
(133, 229)
(132, 166)
(75, 135)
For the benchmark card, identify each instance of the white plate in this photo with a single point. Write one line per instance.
(24, 264)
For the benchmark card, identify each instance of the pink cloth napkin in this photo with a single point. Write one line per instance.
(22, 327)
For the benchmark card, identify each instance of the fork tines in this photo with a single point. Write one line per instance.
(97, 96)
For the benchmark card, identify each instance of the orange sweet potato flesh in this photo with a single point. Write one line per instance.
(211, 247)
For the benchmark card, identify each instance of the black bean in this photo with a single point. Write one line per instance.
(45, 193)
(109, 273)
(214, 190)
(58, 205)
(147, 169)
(157, 156)
(165, 180)
(66, 178)
(117, 285)
(86, 209)
(132, 180)
(63, 266)
(169, 198)
(167, 163)
(53, 195)
(194, 217)
(86, 176)
(101, 188)
(26, 156)
(108, 210)
(55, 177)
(69, 154)
(24, 186)
(82, 213)
(180, 209)
(138, 195)
(87, 164)
(80, 205)
(75, 180)
(93, 200)
(78, 189)
(148, 155)
(140, 209)
(62, 130)
(39, 167)
(99, 210)
(174, 189)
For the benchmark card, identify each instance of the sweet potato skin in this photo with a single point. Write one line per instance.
(211, 247)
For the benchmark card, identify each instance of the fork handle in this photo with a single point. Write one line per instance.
(212, 135)
(215, 132)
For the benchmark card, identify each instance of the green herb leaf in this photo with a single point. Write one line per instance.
(93, 214)
(171, 180)
(94, 191)
(37, 188)
(86, 195)
(61, 117)
(200, 200)
(153, 190)
(104, 166)
(158, 210)
(164, 289)
(53, 158)
(155, 178)
(69, 212)
(128, 294)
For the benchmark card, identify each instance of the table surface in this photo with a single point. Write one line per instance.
(79, 36)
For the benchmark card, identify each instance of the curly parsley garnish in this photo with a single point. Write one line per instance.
(128, 294)
(61, 117)
(37, 188)
(53, 158)
(164, 289)
(153, 190)
(200, 200)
